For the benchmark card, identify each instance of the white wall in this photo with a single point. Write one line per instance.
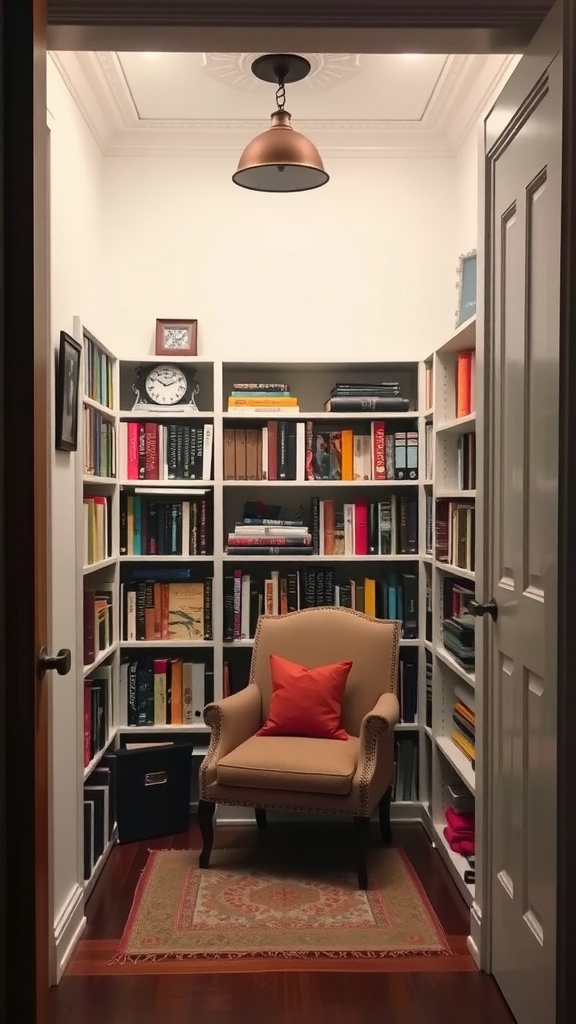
(76, 276)
(361, 268)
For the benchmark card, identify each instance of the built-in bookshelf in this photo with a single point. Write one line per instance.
(449, 543)
(287, 485)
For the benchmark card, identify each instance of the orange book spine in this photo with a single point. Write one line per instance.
(262, 402)
(176, 704)
(464, 384)
(347, 455)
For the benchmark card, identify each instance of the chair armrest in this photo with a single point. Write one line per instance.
(375, 770)
(232, 721)
(383, 717)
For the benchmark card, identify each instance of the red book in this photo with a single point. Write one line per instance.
(152, 465)
(379, 450)
(464, 384)
(132, 451)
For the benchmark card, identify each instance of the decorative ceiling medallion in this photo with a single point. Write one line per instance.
(327, 69)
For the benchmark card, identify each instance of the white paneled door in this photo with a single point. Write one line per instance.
(522, 290)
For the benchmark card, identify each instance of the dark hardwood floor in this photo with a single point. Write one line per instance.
(446, 990)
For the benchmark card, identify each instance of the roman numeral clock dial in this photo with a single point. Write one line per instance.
(166, 385)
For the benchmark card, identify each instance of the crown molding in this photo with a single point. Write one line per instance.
(98, 85)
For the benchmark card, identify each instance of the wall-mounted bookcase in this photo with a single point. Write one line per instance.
(260, 501)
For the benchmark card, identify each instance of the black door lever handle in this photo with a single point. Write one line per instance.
(61, 663)
(490, 608)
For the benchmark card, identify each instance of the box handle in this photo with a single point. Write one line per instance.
(155, 778)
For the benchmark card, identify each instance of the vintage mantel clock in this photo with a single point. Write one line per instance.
(166, 387)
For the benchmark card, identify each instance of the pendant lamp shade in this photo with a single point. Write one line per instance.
(280, 159)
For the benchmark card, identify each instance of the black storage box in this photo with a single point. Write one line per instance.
(153, 791)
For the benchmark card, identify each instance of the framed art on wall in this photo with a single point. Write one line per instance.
(176, 337)
(67, 385)
(466, 285)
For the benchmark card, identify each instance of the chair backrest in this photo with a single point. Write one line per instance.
(323, 636)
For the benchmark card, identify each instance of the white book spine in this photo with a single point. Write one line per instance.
(208, 441)
(301, 451)
(198, 691)
(186, 528)
(264, 453)
(187, 694)
(123, 448)
(245, 608)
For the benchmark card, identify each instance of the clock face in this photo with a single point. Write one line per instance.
(166, 385)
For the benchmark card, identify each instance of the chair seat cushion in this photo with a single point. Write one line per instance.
(296, 763)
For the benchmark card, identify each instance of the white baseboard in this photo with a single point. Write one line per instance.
(68, 928)
(229, 815)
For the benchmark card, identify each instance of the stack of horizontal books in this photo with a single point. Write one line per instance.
(263, 536)
(351, 396)
(263, 399)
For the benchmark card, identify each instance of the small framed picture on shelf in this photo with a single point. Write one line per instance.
(466, 286)
(176, 337)
(67, 384)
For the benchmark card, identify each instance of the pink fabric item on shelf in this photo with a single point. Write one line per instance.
(460, 843)
(460, 821)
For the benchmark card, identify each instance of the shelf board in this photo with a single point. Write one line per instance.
(427, 483)
(101, 657)
(250, 643)
(181, 485)
(464, 338)
(462, 425)
(428, 731)
(407, 727)
(310, 484)
(91, 882)
(166, 558)
(134, 730)
(454, 570)
(455, 493)
(291, 414)
(163, 414)
(98, 757)
(100, 481)
(96, 566)
(229, 557)
(457, 864)
(429, 413)
(451, 662)
(457, 759)
(130, 644)
(426, 558)
(429, 646)
(104, 410)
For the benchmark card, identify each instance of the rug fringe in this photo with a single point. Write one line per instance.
(281, 954)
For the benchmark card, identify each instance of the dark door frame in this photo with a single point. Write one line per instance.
(99, 24)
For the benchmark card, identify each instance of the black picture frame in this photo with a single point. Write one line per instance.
(67, 386)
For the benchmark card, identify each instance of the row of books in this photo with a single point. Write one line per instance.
(97, 535)
(428, 451)
(247, 595)
(99, 444)
(466, 461)
(98, 373)
(166, 451)
(159, 524)
(405, 786)
(298, 450)
(177, 609)
(358, 396)
(464, 718)
(98, 632)
(458, 624)
(99, 814)
(164, 691)
(455, 533)
(98, 715)
(386, 527)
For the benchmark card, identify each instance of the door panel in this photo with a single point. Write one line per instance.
(523, 253)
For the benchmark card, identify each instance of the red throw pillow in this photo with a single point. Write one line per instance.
(306, 701)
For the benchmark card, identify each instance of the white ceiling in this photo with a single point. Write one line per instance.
(211, 103)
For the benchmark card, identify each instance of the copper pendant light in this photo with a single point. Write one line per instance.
(280, 159)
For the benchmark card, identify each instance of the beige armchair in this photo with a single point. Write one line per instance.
(299, 773)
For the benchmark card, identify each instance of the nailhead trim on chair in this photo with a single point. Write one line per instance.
(213, 716)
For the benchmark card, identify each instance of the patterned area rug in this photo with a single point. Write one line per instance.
(242, 907)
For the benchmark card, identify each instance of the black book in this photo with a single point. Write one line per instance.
(383, 403)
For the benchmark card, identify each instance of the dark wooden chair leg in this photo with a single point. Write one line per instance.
(384, 812)
(362, 830)
(260, 817)
(206, 822)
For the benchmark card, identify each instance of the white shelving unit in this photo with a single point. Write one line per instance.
(430, 387)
